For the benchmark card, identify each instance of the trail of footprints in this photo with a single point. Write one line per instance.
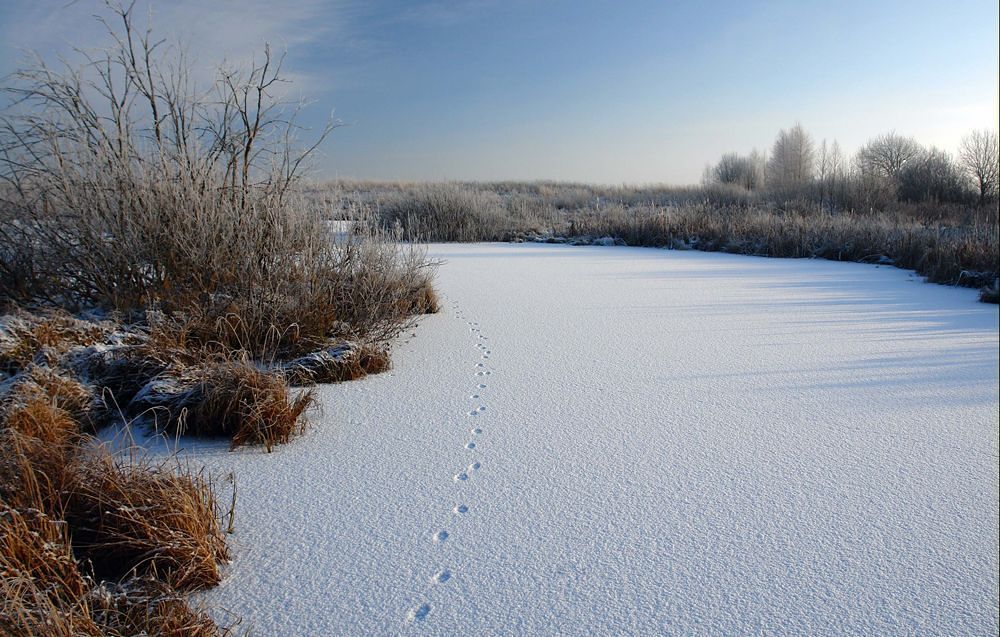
(482, 372)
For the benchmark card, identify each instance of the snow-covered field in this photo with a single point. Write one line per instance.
(598, 441)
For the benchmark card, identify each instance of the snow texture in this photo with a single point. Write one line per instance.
(609, 440)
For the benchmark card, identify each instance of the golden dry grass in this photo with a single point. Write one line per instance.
(90, 544)
(229, 398)
(146, 519)
(42, 589)
(45, 592)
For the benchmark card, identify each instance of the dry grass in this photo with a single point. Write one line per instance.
(27, 338)
(146, 519)
(338, 365)
(424, 301)
(38, 449)
(223, 399)
(230, 398)
(75, 522)
(44, 591)
(947, 243)
(60, 389)
(964, 255)
(146, 606)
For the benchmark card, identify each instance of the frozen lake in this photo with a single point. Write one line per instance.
(596, 440)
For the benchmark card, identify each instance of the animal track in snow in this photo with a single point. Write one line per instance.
(442, 576)
(440, 536)
(419, 613)
(461, 509)
(461, 477)
(475, 466)
(477, 431)
(471, 445)
(481, 386)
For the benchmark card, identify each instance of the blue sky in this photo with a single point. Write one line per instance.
(582, 90)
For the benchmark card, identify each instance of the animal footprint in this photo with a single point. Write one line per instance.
(442, 576)
(419, 613)
(474, 466)
(461, 477)
(440, 536)
(461, 509)
(471, 445)
(481, 386)
(477, 431)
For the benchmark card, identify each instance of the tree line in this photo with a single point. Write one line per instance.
(886, 169)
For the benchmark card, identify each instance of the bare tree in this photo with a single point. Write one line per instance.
(933, 176)
(979, 156)
(886, 155)
(730, 169)
(791, 165)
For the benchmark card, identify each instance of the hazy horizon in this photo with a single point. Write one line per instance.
(581, 91)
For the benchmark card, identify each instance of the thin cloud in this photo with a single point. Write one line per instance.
(228, 30)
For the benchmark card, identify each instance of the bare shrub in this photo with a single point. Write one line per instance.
(125, 188)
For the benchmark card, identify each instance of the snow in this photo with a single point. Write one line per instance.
(610, 440)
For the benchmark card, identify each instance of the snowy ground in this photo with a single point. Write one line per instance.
(595, 440)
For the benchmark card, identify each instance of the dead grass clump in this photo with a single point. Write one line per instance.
(150, 520)
(37, 417)
(338, 364)
(26, 338)
(990, 293)
(147, 606)
(64, 392)
(36, 471)
(229, 398)
(44, 590)
(424, 300)
(41, 587)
